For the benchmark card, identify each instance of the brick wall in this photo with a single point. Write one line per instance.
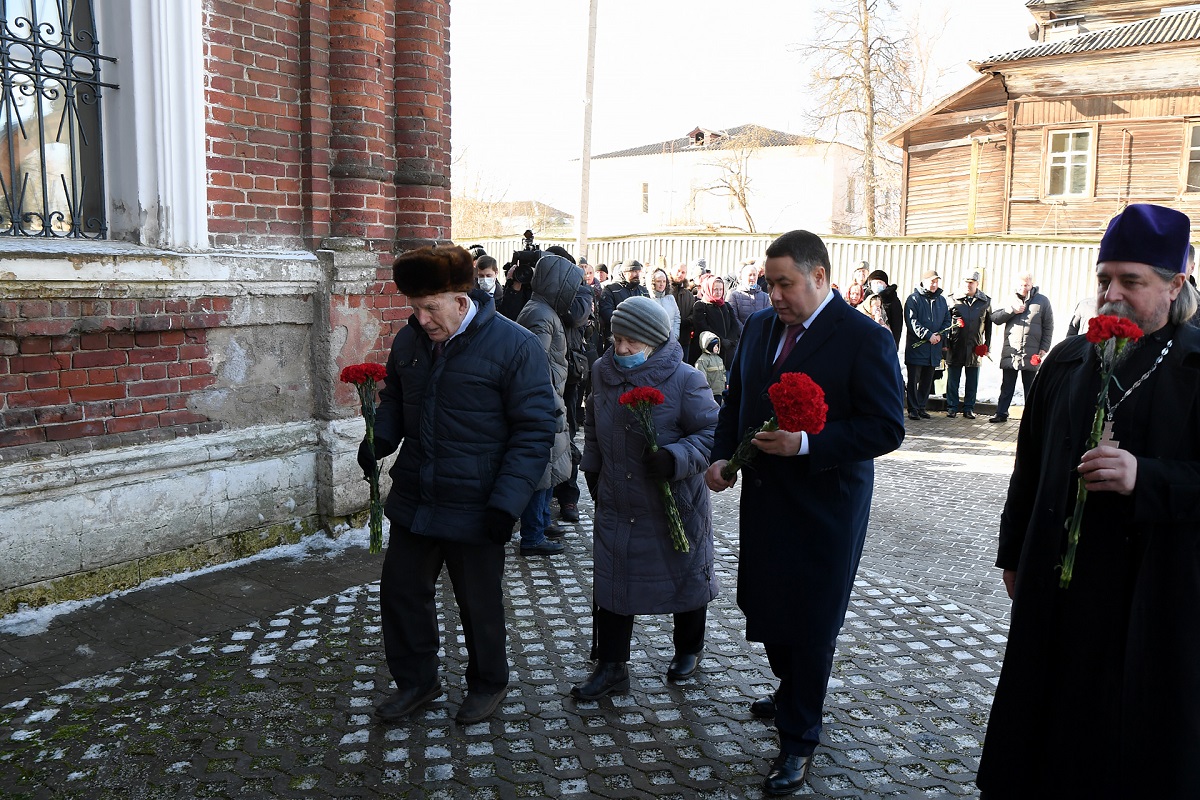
(103, 369)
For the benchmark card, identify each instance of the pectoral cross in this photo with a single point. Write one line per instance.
(1106, 437)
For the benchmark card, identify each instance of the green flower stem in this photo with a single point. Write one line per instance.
(746, 451)
(366, 397)
(1067, 568)
(675, 522)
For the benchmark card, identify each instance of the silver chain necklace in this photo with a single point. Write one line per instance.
(1113, 407)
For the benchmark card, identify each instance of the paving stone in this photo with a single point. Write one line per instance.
(278, 704)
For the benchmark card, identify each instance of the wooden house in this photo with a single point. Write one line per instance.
(1058, 137)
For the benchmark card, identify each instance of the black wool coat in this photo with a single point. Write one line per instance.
(1099, 696)
(803, 519)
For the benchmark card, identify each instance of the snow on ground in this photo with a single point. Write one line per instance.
(30, 621)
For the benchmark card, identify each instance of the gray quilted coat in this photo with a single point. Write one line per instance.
(636, 570)
(555, 280)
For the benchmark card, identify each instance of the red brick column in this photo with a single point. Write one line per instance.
(360, 140)
(422, 122)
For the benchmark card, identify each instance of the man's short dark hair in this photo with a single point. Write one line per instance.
(485, 262)
(806, 249)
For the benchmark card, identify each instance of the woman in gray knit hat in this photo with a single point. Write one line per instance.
(636, 568)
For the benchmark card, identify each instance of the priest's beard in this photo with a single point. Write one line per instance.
(1122, 309)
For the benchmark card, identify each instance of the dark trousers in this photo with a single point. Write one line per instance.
(920, 384)
(953, 375)
(803, 672)
(407, 591)
(614, 633)
(1008, 387)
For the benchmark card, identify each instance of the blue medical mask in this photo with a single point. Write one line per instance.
(629, 362)
(878, 286)
(487, 283)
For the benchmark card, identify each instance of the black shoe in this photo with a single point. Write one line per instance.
(924, 414)
(405, 701)
(999, 418)
(969, 414)
(606, 678)
(952, 414)
(546, 548)
(913, 415)
(682, 666)
(554, 532)
(569, 512)
(787, 774)
(478, 706)
(764, 707)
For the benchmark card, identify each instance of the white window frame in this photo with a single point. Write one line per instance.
(154, 124)
(1069, 156)
(1191, 154)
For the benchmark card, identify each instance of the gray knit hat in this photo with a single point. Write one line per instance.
(642, 319)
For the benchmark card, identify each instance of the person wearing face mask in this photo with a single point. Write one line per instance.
(712, 313)
(660, 292)
(486, 278)
(893, 309)
(636, 568)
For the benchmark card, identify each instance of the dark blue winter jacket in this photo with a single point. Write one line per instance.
(475, 428)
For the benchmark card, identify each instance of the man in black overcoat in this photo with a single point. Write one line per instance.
(805, 497)
(1099, 695)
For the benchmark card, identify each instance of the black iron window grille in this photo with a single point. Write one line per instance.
(51, 161)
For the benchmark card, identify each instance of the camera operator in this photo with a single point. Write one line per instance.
(630, 275)
(519, 274)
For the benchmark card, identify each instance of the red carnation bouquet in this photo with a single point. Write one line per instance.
(799, 406)
(981, 350)
(365, 377)
(1111, 335)
(641, 400)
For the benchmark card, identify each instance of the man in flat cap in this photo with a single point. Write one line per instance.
(468, 400)
(926, 316)
(1099, 696)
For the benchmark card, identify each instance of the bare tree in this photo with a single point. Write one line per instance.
(864, 82)
(476, 205)
(730, 160)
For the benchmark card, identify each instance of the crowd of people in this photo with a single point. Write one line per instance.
(489, 384)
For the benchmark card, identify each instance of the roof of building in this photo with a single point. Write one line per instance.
(1164, 29)
(764, 137)
(526, 208)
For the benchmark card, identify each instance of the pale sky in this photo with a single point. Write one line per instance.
(662, 68)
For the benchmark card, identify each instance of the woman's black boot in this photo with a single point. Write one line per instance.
(606, 678)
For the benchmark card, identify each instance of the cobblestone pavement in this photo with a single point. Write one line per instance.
(259, 681)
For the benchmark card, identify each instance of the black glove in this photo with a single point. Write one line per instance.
(367, 457)
(593, 482)
(497, 525)
(659, 464)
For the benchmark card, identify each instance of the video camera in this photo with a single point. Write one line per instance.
(523, 261)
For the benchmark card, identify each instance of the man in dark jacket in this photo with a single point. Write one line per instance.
(927, 318)
(684, 292)
(629, 273)
(893, 309)
(1100, 676)
(1028, 330)
(804, 507)
(468, 398)
(965, 341)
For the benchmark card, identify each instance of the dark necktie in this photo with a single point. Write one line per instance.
(789, 341)
(438, 349)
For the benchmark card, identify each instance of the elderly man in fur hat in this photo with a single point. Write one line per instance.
(1099, 697)
(469, 402)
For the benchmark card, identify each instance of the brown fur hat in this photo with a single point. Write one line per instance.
(434, 270)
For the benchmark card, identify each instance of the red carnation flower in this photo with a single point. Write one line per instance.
(1035, 359)
(799, 403)
(642, 394)
(960, 322)
(981, 350)
(1105, 327)
(361, 373)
